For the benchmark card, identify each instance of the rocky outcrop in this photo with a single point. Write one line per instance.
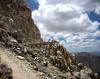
(15, 18)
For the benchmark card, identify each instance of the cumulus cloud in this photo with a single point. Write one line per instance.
(61, 19)
(67, 16)
(97, 33)
(98, 10)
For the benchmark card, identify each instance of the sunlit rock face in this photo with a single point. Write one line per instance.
(15, 15)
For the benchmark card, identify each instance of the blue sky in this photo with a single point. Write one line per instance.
(93, 16)
(74, 24)
(33, 4)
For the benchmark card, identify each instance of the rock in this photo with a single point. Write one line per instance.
(96, 75)
(25, 50)
(47, 78)
(35, 68)
(42, 74)
(36, 58)
(18, 52)
(77, 74)
(45, 63)
(85, 73)
(20, 57)
(80, 65)
(13, 40)
(18, 48)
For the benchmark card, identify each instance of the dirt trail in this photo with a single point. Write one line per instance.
(21, 68)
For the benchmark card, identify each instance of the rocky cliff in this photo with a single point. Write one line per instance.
(19, 34)
(15, 19)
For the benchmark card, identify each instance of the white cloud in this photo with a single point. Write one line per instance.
(67, 16)
(76, 38)
(60, 19)
(98, 10)
(97, 33)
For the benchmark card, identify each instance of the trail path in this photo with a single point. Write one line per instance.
(21, 68)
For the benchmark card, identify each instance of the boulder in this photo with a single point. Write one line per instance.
(20, 57)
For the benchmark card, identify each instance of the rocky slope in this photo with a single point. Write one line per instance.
(89, 60)
(21, 69)
(19, 34)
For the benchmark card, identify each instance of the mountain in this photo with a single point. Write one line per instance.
(21, 37)
(89, 59)
(96, 53)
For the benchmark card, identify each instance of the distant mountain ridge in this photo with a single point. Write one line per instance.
(96, 53)
(89, 59)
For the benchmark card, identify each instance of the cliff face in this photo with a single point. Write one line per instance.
(15, 18)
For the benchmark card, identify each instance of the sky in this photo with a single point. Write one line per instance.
(74, 23)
